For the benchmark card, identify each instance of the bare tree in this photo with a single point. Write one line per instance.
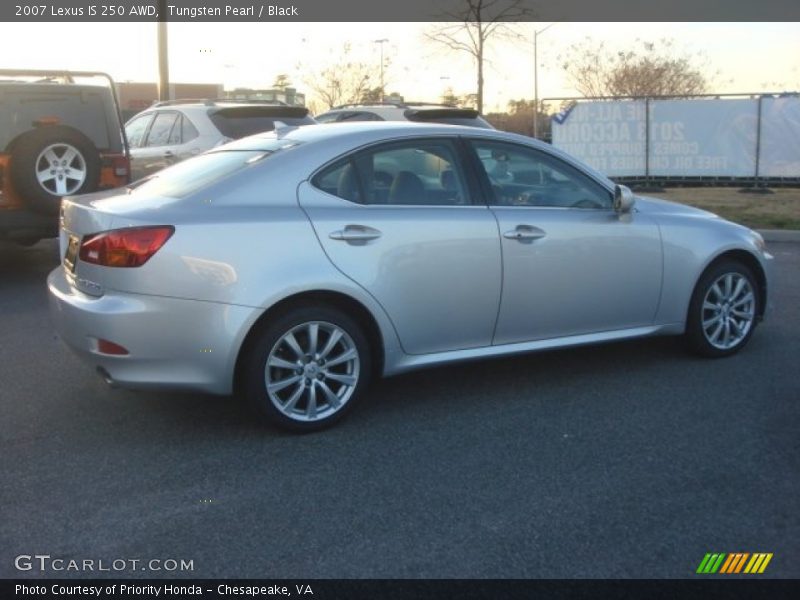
(474, 24)
(653, 70)
(451, 99)
(281, 82)
(343, 81)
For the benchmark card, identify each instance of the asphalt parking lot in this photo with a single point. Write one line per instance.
(624, 460)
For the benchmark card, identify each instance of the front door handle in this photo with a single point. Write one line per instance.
(169, 154)
(356, 234)
(524, 233)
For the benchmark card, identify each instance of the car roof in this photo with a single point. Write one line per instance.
(368, 130)
(358, 133)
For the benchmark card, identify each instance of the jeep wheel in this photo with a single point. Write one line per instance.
(52, 162)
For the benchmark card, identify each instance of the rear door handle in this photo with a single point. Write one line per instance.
(524, 233)
(169, 154)
(356, 233)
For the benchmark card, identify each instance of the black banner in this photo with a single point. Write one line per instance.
(407, 10)
(405, 589)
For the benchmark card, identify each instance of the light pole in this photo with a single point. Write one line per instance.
(163, 53)
(536, 79)
(381, 42)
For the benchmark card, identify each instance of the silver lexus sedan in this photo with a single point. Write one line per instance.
(292, 266)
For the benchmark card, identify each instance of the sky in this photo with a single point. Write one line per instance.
(741, 57)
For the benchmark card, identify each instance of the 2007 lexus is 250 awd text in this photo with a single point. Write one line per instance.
(292, 266)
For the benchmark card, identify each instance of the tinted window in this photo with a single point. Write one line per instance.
(421, 173)
(522, 176)
(240, 122)
(360, 116)
(135, 130)
(341, 180)
(327, 117)
(161, 128)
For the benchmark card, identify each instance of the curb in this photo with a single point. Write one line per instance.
(780, 235)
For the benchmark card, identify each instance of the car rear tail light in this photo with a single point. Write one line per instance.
(119, 163)
(131, 247)
(45, 121)
(122, 166)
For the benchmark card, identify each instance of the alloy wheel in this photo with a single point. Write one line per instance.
(728, 311)
(312, 371)
(61, 169)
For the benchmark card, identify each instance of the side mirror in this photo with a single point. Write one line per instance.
(623, 199)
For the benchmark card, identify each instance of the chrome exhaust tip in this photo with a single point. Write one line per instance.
(106, 377)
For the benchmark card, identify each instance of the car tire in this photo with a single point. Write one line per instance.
(52, 162)
(307, 368)
(723, 311)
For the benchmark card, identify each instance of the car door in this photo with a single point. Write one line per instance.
(397, 218)
(571, 264)
(136, 132)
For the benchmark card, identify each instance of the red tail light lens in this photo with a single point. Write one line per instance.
(130, 247)
(118, 165)
(122, 166)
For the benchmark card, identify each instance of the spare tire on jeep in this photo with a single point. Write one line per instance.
(52, 162)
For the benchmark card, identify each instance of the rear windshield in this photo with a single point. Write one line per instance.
(449, 116)
(242, 121)
(191, 175)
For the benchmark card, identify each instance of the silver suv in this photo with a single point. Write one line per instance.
(406, 111)
(171, 131)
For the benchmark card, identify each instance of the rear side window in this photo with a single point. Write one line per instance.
(188, 130)
(160, 130)
(240, 122)
(416, 173)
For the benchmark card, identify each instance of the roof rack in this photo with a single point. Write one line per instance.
(439, 104)
(215, 102)
(51, 74)
(403, 104)
(355, 104)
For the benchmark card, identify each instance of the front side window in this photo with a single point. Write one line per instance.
(419, 173)
(521, 176)
(135, 130)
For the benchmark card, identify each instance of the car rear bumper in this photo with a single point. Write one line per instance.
(171, 342)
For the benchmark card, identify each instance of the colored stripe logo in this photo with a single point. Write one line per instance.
(736, 562)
